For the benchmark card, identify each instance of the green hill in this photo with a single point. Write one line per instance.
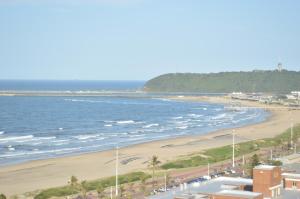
(224, 82)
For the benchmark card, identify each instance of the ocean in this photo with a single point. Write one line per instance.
(41, 127)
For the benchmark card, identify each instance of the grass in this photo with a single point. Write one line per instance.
(224, 153)
(91, 185)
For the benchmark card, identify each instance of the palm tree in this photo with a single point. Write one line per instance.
(153, 164)
(2, 196)
(84, 188)
(73, 183)
(122, 190)
(100, 191)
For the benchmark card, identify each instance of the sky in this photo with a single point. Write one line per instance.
(140, 39)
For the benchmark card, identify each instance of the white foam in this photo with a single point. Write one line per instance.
(16, 138)
(220, 116)
(85, 137)
(150, 125)
(182, 127)
(60, 129)
(11, 149)
(195, 115)
(108, 125)
(176, 118)
(86, 100)
(126, 122)
(2, 132)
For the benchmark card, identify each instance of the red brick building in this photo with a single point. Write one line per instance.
(267, 180)
(291, 181)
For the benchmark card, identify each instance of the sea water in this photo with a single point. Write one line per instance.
(36, 127)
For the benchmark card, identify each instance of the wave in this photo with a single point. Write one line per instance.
(85, 137)
(16, 138)
(182, 127)
(125, 122)
(108, 125)
(220, 116)
(150, 125)
(2, 132)
(194, 115)
(84, 100)
(163, 99)
(11, 148)
(176, 118)
(38, 152)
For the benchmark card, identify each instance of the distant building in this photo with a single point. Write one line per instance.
(267, 180)
(267, 183)
(291, 181)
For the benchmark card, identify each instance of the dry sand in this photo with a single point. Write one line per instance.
(41, 174)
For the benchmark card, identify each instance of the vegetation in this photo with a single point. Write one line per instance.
(100, 191)
(224, 153)
(224, 82)
(153, 164)
(89, 185)
(2, 196)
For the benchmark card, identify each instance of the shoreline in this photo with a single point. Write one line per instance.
(40, 174)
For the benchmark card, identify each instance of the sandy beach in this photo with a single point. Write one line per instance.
(30, 176)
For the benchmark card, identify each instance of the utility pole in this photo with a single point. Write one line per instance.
(111, 192)
(208, 173)
(233, 135)
(165, 181)
(292, 133)
(271, 155)
(243, 165)
(117, 170)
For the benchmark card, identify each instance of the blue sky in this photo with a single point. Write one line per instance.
(140, 39)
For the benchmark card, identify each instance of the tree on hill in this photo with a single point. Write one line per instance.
(226, 82)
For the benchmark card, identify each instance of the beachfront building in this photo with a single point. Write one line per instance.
(267, 180)
(291, 181)
(268, 183)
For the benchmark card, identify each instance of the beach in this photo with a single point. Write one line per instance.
(40, 174)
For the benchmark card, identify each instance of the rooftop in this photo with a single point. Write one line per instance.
(238, 193)
(207, 187)
(265, 167)
(291, 175)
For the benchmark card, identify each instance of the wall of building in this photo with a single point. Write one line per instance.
(288, 184)
(263, 180)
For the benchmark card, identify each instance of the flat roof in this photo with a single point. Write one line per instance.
(238, 193)
(291, 175)
(207, 187)
(265, 167)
